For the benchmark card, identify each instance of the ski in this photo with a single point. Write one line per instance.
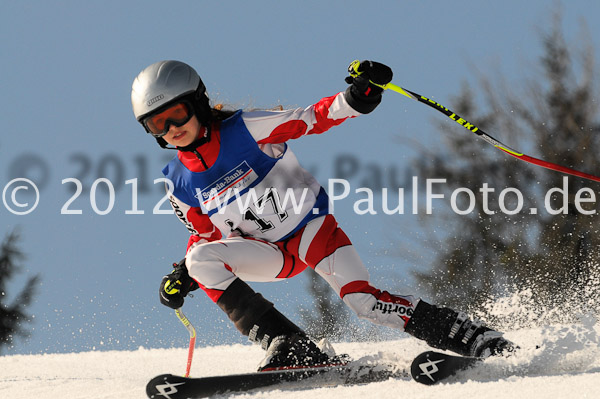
(169, 386)
(431, 367)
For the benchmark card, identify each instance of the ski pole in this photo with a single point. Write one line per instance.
(353, 70)
(184, 320)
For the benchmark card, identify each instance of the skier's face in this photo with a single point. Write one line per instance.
(181, 136)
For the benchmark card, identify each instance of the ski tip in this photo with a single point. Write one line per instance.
(431, 367)
(424, 369)
(155, 387)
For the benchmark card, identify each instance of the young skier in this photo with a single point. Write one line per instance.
(255, 214)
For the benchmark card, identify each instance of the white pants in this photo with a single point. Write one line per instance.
(322, 245)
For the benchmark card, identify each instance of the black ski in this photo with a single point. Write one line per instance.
(431, 367)
(169, 386)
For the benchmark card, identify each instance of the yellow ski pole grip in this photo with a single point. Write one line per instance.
(353, 68)
(354, 72)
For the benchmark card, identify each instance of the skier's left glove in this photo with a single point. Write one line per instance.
(176, 285)
(363, 95)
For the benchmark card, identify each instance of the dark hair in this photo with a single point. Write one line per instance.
(220, 114)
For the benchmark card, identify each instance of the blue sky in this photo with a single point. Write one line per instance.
(67, 68)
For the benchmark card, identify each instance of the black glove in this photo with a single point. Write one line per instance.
(175, 286)
(363, 95)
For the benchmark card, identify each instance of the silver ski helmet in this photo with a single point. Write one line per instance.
(163, 83)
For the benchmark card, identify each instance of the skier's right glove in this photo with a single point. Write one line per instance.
(175, 286)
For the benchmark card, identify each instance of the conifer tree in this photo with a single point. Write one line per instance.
(13, 315)
(552, 116)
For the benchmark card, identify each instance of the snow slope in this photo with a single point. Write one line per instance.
(566, 365)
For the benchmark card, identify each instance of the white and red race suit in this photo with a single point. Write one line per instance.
(246, 185)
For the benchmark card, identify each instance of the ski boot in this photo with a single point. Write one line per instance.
(286, 344)
(296, 352)
(446, 329)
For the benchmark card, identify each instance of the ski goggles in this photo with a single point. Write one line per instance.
(177, 115)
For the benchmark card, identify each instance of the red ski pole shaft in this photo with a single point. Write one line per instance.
(184, 320)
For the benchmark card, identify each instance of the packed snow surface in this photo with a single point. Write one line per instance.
(553, 362)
